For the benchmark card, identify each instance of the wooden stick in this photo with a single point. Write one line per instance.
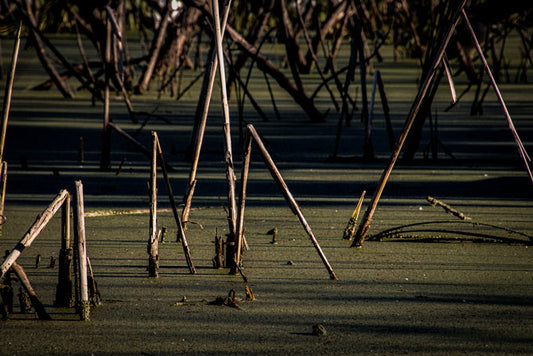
(365, 223)
(3, 181)
(153, 253)
(64, 283)
(230, 173)
(9, 91)
(521, 149)
(435, 202)
(206, 93)
(34, 299)
(36, 228)
(288, 196)
(79, 234)
(105, 159)
(181, 231)
(242, 195)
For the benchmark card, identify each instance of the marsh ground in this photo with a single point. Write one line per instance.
(459, 297)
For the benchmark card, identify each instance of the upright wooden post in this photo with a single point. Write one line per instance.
(369, 213)
(79, 233)
(34, 231)
(153, 254)
(64, 284)
(242, 195)
(288, 197)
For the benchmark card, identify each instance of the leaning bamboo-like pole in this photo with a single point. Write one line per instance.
(288, 196)
(242, 196)
(64, 284)
(181, 231)
(205, 95)
(34, 299)
(40, 222)
(230, 173)
(365, 223)
(9, 91)
(521, 149)
(79, 233)
(153, 253)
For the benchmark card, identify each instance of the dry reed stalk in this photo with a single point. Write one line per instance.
(40, 223)
(521, 149)
(153, 253)
(365, 223)
(181, 231)
(206, 93)
(288, 196)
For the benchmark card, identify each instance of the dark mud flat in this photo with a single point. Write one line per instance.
(458, 294)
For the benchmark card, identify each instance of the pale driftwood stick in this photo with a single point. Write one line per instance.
(36, 228)
(521, 149)
(34, 299)
(9, 91)
(369, 213)
(206, 93)
(153, 253)
(105, 159)
(64, 283)
(242, 195)
(288, 196)
(181, 231)
(230, 173)
(79, 231)
(435, 202)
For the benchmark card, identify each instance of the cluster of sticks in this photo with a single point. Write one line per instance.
(72, 258)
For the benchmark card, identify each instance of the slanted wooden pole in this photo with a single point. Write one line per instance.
(288, 196)
(521, 149)
(34, 299)
(153, 253)
(181, 231)
(369, 213)
(79, 234)
(230, 173)
(40, 223)
(9, 91)
(64, 284)
(205, 95)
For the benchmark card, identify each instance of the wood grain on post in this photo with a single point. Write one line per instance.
(153, 253)
(64, 284)
(40, 222)
(181, 231)
(369, 213)
(288, 196)
(79, 231)
(34, 299)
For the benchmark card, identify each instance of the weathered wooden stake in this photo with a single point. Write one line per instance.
(79, 234)
(64, 284)
(36, 228)
(365, 223)
(218, 260)
(34, 299)
(153, 253)
(288, 196)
